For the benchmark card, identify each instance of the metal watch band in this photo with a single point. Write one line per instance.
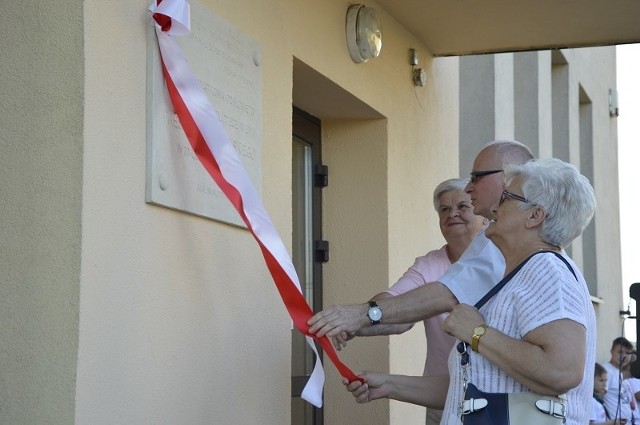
(475, 339)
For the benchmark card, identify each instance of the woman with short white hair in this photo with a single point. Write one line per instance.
(537, 333)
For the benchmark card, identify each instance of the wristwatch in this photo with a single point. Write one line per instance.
(374, 313)
(477, 333)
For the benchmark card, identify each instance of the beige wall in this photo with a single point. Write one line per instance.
(377, 208)
(118, 312)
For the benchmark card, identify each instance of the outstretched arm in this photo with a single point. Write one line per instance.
(418, 304)
(384, 328)
(429, 391)
(340, 340)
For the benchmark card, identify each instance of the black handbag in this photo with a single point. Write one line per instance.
(480, 408)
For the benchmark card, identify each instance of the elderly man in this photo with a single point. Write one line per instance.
(466, 281)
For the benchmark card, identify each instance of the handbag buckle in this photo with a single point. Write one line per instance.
(553, 408)
(473, 405)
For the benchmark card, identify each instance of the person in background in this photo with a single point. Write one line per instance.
(599, 415)
(459, 225)
(618, 398)
(634, 386)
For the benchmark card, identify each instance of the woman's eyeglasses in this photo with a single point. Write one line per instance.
(506, 194)
(475, 175)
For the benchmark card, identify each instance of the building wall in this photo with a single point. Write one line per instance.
(115, 311)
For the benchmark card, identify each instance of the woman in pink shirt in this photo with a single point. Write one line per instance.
(459, 226)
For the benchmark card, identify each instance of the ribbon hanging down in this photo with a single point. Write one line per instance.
(220, 159)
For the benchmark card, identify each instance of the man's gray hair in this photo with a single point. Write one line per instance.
(510, 152)
(562, 192)
(447, 186)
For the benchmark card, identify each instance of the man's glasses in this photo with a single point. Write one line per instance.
(475, 175)
(506, 194)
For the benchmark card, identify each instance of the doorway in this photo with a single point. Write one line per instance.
(308, 251)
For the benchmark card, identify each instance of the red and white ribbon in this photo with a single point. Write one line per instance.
(219, 157)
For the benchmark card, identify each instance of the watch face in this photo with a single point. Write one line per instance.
(480, 330)
(375, 314)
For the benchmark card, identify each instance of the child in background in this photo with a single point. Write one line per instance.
(634, 386)
(599, 416)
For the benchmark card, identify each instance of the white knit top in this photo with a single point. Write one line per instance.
(544, 290)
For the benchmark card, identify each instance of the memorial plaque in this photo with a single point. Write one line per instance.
(227, 64)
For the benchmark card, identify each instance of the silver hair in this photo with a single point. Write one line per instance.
(562, 192)
(447, 186)
(510, 152)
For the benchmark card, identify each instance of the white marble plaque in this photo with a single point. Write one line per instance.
(227, 64)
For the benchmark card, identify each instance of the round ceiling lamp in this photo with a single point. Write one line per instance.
(364, 33)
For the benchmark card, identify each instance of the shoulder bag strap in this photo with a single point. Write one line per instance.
(498, 286)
